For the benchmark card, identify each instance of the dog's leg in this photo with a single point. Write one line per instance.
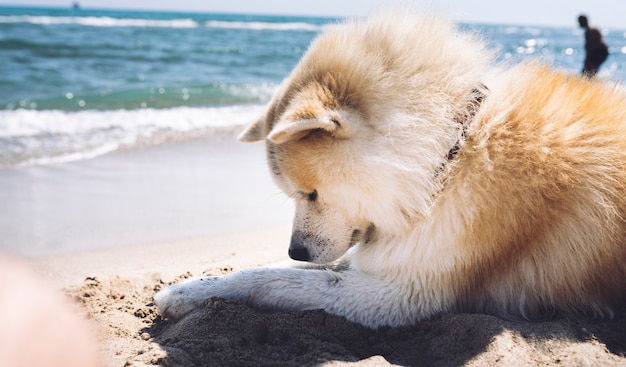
(352, 294)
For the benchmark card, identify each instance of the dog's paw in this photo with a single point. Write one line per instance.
(177, 300)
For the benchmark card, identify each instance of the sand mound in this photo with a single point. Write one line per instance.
(230, 334)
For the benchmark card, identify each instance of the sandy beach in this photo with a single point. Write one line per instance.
(119, 227)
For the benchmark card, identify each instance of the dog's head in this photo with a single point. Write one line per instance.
(313, 156)
(357, 131)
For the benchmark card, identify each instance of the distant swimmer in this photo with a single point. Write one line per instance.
(596, 51)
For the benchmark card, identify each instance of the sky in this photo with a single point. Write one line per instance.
(603, 13)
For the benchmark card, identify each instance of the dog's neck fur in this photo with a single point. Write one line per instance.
(477, 96)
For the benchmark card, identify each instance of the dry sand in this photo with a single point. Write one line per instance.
(190, 205)
(229, 334)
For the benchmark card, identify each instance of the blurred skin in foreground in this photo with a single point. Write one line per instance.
(39, 325)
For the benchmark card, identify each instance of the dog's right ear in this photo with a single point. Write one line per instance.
(254, 132)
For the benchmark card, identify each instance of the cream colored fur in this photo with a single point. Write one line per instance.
(528, 217)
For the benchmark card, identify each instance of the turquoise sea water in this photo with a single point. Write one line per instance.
(79, 83)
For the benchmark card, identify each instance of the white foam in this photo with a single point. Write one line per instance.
(100, 21)
(40, 137)
(69, 157)
(104, 21)
(31, 122)
(265, 26)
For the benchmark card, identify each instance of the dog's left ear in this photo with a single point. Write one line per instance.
(288, 129)
(254, 132)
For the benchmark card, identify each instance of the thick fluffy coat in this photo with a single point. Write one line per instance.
(428, 181)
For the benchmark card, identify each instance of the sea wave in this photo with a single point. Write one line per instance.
(289, 26)
(102, 21)
(30, 137)
(105, 21)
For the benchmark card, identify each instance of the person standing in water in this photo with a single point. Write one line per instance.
(596, 51)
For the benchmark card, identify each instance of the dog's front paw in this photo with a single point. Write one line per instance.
(177, 300)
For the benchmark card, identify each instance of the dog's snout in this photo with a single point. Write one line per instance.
(297, 251)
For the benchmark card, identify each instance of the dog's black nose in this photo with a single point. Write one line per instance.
(297, 251)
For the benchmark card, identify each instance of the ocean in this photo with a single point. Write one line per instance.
(76, 84)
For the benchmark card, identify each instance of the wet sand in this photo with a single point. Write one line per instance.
(182, 190)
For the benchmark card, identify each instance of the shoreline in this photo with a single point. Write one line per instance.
(173, 191)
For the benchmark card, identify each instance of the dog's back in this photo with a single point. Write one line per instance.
(540, 187)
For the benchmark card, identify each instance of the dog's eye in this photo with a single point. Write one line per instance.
(312, 196)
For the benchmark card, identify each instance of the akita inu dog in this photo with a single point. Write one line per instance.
(426, 180)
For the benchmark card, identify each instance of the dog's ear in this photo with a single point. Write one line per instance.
(288, 129)
(254, 132)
